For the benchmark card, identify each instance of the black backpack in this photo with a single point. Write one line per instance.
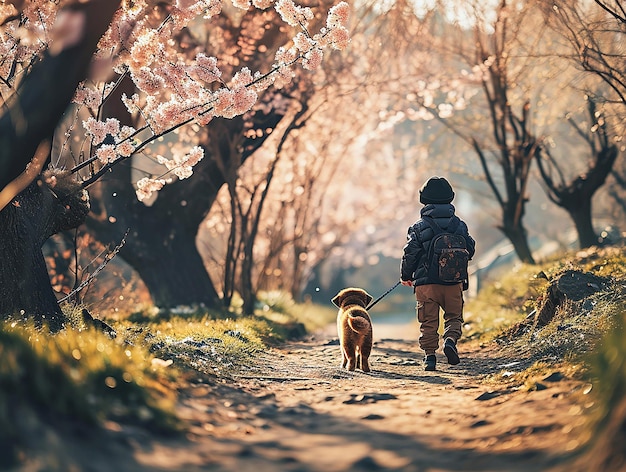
(448, 256)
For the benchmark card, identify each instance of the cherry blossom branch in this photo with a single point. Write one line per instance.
(109, 164)
(113, 144)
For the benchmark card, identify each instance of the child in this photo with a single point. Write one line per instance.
(431, 294)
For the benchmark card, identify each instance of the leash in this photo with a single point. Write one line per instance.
(382, 296)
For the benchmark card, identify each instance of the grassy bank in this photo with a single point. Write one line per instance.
(585, 340)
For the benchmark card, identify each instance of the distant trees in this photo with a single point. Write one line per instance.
(594, 32)
(151, 116)
(485, 100)
(340, 194)
(496, 89)
(510, 122)
(575, 196)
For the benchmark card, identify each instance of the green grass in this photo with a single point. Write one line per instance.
(504, 302)
(509, 300)
(215, 347)
(82, 375)
(608, 363)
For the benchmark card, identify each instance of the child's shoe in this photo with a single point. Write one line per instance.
(430, 361)
(449, 349)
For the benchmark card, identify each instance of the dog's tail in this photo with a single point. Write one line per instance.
(358, 323)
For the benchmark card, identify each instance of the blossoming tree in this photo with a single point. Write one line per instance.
(170, 93)
(162, 244)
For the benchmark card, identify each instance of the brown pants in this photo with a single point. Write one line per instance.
(429, 299)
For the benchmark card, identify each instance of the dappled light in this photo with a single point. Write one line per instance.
(186, 187)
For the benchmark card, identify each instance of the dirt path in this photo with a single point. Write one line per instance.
(298, 411)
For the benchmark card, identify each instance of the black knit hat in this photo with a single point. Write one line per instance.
(436, 190)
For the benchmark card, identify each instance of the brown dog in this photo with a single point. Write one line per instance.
(354, 328)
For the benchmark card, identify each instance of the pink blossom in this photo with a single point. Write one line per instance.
(179, 160)
(88, 97)
(145, 49)
(96, 129)
(131, 103)
(339, 38)
(173, 73)
(241, 78)
(262, 82)
(206, 69)
(202, 117)
(284, 75)
(195, 155)
(146, 186)
(292, 14)
(183, 172)
(194, 93)
(262, 4)
(186, 10)
(302, 43)
(224, 100)
(181, 17)
(313, 59)
(121, 32)
(112, 126)
(182, 164)
(125, 149)
(126, 132)
(106, 153)
(172, 89)
(147, 81)
(162, 160)
(99, 130)
(243, 100)
(338, 16)
(167, 114)
(286, 56)
(212, 8)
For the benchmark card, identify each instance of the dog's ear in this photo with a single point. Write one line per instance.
(337, 300)
(367, 298)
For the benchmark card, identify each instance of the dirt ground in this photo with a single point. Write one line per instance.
(297, 410)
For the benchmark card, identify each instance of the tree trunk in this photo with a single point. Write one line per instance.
(517, 235)
(36, 213)
(171, 267)
(576, 196)
(161, 244)
(247, 291)
(24, 284)
(25, 224)
(162, 236)
(581, 215)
